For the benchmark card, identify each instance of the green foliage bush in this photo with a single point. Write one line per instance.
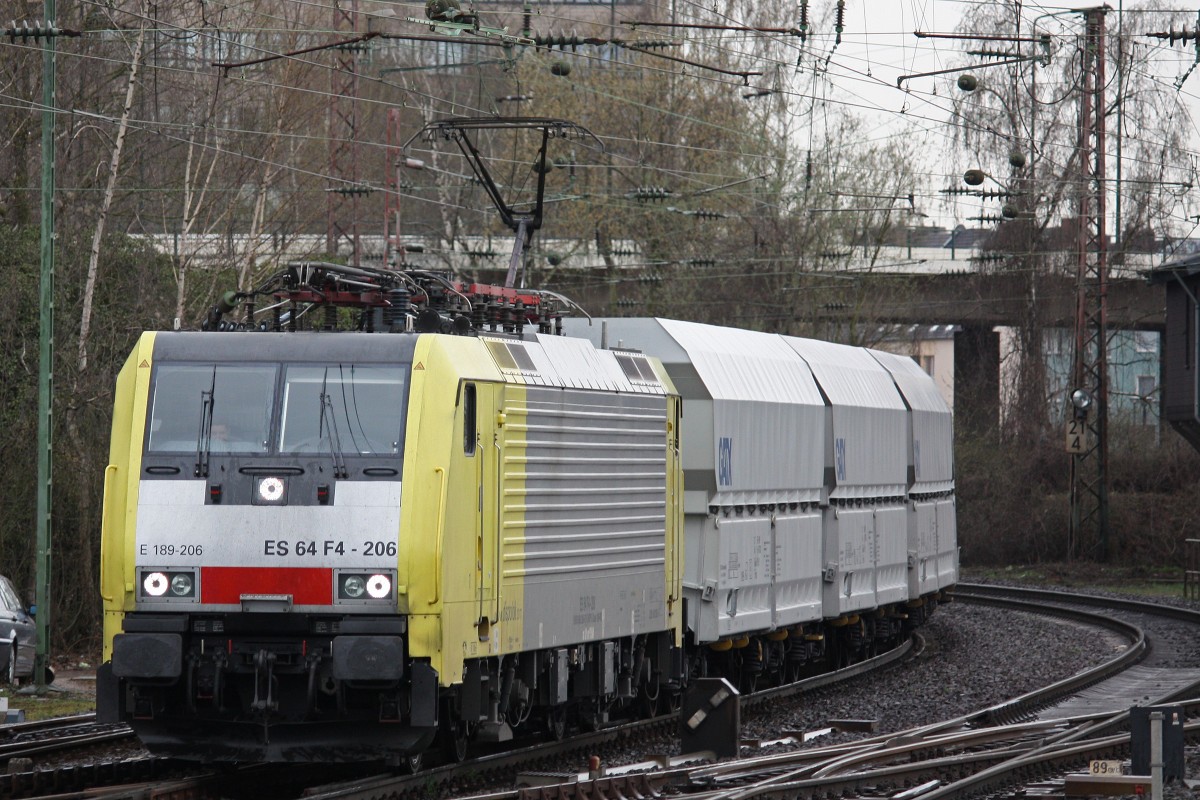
(134, 293)
(1014, 499)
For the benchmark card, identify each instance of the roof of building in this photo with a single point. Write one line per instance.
(1182, 265)
(917, 333)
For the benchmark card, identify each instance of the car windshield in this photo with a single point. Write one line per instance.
(240, 399)
(350, 408)
(8, 595)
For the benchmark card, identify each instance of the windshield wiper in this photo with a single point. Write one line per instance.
(335, 444)
(204, 438)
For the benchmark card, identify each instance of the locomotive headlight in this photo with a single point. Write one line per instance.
(155, 584)
(169, 585)
(353, 586)
(365, 588)
(181, 584)
(379, 586)
(271, 490)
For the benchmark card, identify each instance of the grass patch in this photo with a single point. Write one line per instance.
(54, 703)
(1159, 582)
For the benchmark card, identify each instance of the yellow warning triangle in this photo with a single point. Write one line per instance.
(418, 366)
(144, 365)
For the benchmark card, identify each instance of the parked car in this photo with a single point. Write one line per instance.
(18, 636)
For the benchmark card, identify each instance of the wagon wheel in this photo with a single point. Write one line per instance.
(672, 700)
(411, 764)
(648, 697)
(456, 740)
(556, 723)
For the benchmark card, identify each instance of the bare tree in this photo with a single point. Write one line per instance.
(114, 165)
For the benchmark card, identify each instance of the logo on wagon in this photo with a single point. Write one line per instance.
(725, 462)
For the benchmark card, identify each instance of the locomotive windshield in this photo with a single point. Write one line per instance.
(353, 409)
(239, 400)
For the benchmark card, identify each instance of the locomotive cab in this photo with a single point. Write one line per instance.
(254, 614)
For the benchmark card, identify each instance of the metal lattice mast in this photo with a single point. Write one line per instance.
(1089, 467)
(45, 494)
(343, 194)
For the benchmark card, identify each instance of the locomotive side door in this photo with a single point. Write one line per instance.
(488, 465)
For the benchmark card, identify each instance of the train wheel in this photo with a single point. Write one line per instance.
(556, 723)
(648, 698)
(412, 763)
(456, 739)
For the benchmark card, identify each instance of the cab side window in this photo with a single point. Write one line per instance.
(470, 426)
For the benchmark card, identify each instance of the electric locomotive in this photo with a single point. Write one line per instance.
(337, 546)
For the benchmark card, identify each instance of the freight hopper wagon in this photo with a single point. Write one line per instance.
(932, 531)
(818, 493)
(335, 546)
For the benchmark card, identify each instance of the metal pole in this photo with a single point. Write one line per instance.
(1156, 755)
(46, 355)
(1120, 115)
(1089, 470)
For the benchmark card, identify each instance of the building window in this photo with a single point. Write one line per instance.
(1145, 342)
(1057, 341)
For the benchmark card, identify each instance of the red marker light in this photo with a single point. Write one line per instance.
(323, 494)
(214, 492)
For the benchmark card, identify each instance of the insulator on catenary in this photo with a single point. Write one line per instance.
(644, 193)
(396, 311)
(1171, 35)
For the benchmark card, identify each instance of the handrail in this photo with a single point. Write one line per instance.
(105, 510)
(498, 564)
(441, 528)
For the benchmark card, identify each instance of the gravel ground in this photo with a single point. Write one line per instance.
(975, 657)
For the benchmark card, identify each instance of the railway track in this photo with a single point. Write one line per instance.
(26, 740)
(1027, 740)
(1034, 738)
(158, 777)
